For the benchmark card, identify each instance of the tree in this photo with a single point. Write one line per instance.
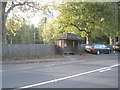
(40, 30)
(79, 18)
(88, 20)
(13, 25)
(119, 22)
(8, 6)
(44, 32)
(28, 34)
(110, 23)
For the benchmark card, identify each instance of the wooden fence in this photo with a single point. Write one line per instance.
(27, 49)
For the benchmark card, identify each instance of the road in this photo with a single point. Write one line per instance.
(89, 72)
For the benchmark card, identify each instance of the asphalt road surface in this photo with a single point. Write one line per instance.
(76, 72)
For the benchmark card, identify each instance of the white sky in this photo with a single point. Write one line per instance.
(37, 18)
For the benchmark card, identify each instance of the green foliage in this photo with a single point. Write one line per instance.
(118, 33)
(18, 32)
(14, 24)
(29, 34)
(44, 34)
(101, 39)
(76, 16)
(94, 17)
(109, 25)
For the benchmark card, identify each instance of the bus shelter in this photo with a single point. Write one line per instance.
(68, 44)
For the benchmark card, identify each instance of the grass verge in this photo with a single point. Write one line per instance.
(31, 57)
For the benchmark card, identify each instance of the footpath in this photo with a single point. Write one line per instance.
(65, 58)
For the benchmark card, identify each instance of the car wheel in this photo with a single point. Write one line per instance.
(98, 52)
(109, 51)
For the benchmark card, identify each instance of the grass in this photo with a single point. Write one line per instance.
(31, 57)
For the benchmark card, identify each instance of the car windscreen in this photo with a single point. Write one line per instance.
(99, 46)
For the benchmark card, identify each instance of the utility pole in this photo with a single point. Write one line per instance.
(34, 36)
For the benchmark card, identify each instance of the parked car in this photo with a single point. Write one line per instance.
(98, 49)
(116, 48)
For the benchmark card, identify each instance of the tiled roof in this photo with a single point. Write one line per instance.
(70, 36)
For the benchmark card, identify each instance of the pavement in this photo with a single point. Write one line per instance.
(65, 58)
(97, 71)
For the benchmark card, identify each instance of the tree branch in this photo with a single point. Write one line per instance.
(14, 5)
(78, 28)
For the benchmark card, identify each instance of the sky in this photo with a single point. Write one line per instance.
(35, 20)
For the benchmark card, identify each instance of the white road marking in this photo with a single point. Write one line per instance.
(69, 62)
(50, 65)
(66, 63)
(106, 69)
(67, 77)
(26, 68)
(2, 70)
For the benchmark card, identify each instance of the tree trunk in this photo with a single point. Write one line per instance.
(11, 40)
(119, 40)
(114, 40)
(110, 40)
(4, 17)
(88, 38)
(87, 41)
